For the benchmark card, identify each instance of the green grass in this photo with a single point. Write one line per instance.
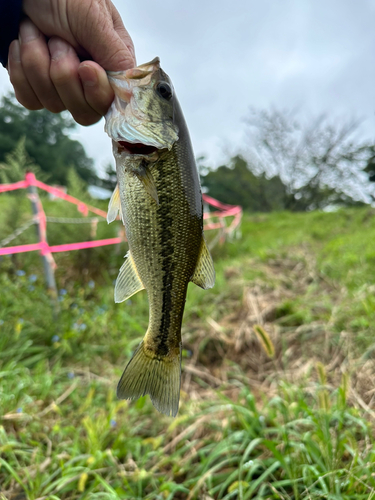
(295, 422)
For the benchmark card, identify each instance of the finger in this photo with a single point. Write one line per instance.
(22, 89)
(35, 60)
(64, 75)
(99, 37)
(123, 34)
(96, 87)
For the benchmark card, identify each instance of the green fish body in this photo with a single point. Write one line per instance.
(160, 201)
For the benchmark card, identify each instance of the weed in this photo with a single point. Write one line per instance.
(278, 374)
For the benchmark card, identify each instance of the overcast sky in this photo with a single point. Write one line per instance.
(225, 56)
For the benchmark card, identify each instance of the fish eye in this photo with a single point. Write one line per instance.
(164, 90)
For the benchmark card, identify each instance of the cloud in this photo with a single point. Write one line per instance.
(224, 57)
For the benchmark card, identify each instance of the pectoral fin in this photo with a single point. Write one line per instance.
(114, 206)
(204, 274)
(128, 281)
(145, 176)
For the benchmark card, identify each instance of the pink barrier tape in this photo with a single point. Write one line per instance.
(213, 225)
(32, 181)
(85, 244)
(82, 207)
(13, 187)
(45, 249)
(226, 213)
(216, 203)
(21, 249)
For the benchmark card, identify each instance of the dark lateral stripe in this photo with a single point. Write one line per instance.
(165, 221)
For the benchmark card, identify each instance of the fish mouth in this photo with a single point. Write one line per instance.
(137, 148)
(137, 122)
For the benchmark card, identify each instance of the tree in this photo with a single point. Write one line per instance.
(46, 140)
(16, 164)
(237, 185)
(110, 180)
(320, 163)
(370, 166)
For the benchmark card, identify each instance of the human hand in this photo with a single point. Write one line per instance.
(50, 74)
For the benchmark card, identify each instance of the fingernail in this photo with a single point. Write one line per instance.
(28, 31)
(57, 48)
(88, 76)
(14, 51)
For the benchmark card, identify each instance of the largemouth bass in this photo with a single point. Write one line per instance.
(159, 199)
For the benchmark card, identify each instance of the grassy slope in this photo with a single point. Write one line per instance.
(297, 425)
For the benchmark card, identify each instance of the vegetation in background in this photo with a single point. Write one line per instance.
(293, 165)
(277, 396)
(320, 162)
(47, 140)
(17, 163)
(286, 165)
(237, 185)
(109, 181)
(292, 421)
(370, 167)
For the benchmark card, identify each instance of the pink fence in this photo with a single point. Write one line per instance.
(215, 220)
(43, 246)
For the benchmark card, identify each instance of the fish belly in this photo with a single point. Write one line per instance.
(164, 241)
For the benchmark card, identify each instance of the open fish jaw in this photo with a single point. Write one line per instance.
(138, 114)
(131, 128)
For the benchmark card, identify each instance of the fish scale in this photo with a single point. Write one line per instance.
(164, 238)
(161, 203)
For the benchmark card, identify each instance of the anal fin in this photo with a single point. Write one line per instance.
(128, 282)
(204, 274)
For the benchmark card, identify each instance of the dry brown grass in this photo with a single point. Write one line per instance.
(219, 346)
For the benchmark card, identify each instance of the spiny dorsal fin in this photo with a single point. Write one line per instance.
(114, 206)
(158, 376)
(128, 282)
(204, 274)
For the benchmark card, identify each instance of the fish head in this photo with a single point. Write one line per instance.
(140, 120)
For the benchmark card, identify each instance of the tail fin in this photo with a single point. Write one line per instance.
(158, 376)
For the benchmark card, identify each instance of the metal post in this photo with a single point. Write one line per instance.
(46, 259)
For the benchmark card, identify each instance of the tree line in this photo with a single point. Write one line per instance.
(46, 141)
(297, 166)
(288, 164)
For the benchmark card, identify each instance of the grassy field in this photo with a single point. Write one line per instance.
(278, 389)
